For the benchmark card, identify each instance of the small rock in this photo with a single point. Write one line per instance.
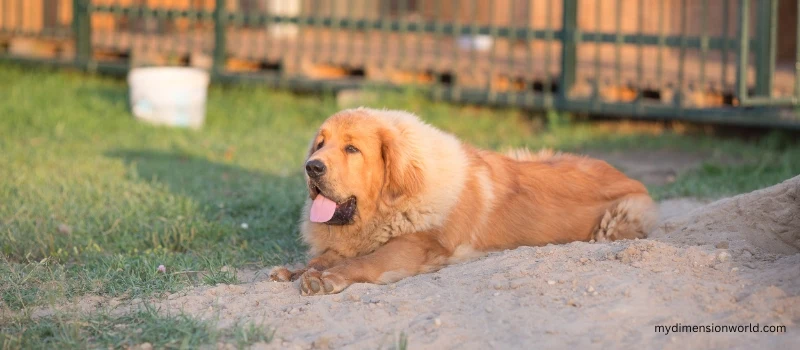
(488, 309)
(551, 282)
(590, 289)
(144, 346)
(572, 302)
(591, 241)
(584, 260)
(245, 226)
(722, 245)
(321, 343)
(735, 269)
(723, 256)
(595, 293)
(65, 229)
(354, 297)
(437, 322)
(496, 294)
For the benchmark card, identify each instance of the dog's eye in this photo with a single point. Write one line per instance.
(320, 144)
(351, 149)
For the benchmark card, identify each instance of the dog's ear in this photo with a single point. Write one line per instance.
(403, 174)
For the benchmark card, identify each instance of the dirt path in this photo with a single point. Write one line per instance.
(732, 262)
(652, 167)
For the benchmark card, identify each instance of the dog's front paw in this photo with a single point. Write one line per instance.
(314, 282)
(282, 274)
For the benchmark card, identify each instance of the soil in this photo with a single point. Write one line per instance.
(733, 262)
(653, 167)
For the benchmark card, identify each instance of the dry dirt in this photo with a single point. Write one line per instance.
(732, 262)
(657, 167)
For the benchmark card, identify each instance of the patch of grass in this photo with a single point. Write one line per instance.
(396, 341)
(223, 275)
(144, 326)
(92, 202)
(250, 333)
(764, 163)
(402, 341)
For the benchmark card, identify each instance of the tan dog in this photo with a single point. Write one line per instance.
(392, 197)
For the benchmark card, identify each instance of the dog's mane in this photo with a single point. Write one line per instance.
(443, 163)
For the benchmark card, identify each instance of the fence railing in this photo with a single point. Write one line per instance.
(723, 61)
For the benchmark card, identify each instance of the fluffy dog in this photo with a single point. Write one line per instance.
(391, 196)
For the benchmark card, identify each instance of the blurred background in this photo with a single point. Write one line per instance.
(676, 59)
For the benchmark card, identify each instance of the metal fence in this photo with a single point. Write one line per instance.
(722, 61)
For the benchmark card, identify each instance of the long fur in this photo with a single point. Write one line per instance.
(425, 200)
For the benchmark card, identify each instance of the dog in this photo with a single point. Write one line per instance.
(390, 196)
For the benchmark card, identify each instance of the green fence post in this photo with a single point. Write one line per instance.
(766, 33)
(744, 50)
(219, 37)
(569, 32)
(82, 32)
(797, 59)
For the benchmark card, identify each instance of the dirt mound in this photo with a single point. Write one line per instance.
(761, 222)
(730, 263)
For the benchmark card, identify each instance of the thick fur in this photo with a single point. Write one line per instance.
(425, 200)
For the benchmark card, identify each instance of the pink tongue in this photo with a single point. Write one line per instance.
(322, 209)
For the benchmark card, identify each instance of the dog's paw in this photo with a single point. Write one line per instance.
(282, 274)
(314, 282)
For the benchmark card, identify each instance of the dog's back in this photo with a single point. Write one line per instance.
(547, 197)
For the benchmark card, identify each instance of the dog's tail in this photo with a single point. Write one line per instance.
(633, 216)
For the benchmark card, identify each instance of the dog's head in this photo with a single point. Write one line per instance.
(359, 162)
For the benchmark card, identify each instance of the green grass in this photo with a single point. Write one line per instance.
(92, 202)
(146, 325)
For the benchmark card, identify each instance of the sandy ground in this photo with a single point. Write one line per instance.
(735, 261)
(732, 262)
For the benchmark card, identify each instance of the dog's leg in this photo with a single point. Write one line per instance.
(401, 257)
(321, 262)
(633, 216)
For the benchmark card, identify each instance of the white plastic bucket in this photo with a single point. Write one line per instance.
(476, 43)
(173, 96)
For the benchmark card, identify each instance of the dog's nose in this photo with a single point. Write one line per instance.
(315, 168)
